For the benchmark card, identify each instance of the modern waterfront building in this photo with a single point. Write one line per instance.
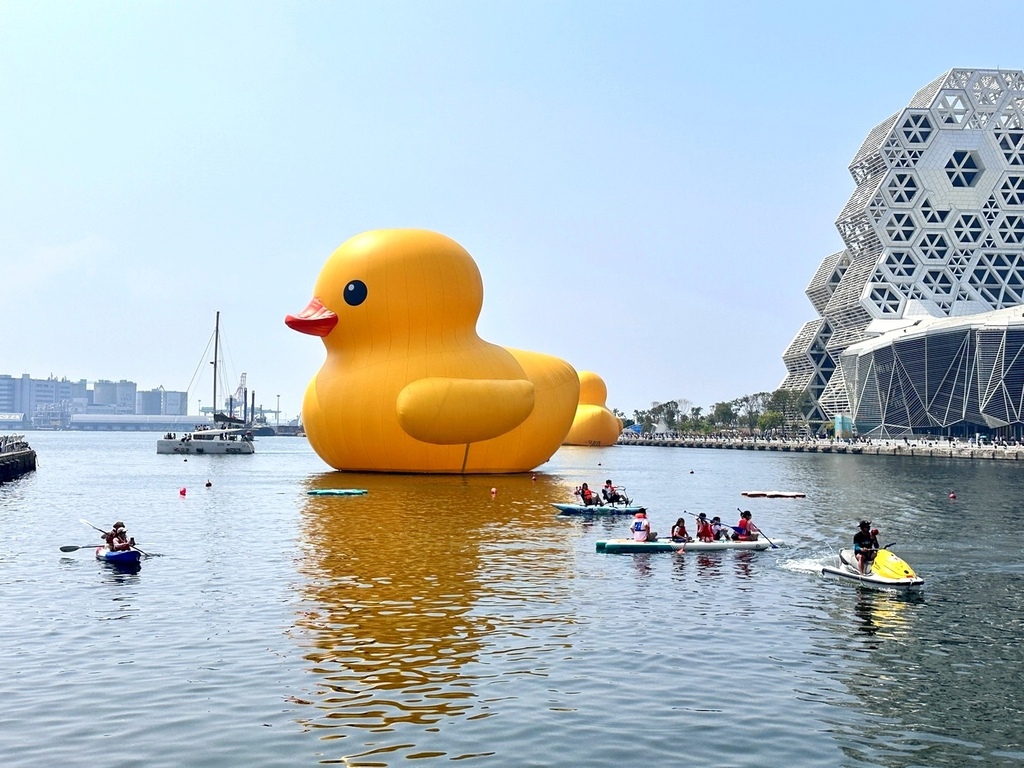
(920, 323)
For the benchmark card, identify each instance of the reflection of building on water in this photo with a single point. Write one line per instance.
(399, 585)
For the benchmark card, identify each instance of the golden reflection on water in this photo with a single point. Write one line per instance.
(404, 586)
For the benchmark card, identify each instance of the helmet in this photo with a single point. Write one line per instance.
(865, 523)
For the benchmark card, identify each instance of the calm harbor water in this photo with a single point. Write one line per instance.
(429, 623)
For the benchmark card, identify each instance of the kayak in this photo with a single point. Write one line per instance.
(123, 557)
(667, 545)
(888, 571)
(337, 492)
(596, 509)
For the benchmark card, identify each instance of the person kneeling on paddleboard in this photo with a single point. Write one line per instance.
(865, 545)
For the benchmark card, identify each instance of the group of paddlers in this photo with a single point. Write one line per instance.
(715, 530)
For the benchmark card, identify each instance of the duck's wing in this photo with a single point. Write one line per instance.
(446, 411)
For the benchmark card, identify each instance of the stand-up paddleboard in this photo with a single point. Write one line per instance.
(773, 494)
(616, 546)
(337, 492)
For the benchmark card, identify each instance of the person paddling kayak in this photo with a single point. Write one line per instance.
(117, 538)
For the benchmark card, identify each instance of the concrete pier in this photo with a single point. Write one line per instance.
(16, 458)
(929, 448)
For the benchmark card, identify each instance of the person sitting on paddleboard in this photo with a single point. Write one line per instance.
(719, 530)
(679, 531)
(641, 527)
(865, 545)
(117, 538)
(610, 493)
(704, 531)
(587, 496)
(745, 528)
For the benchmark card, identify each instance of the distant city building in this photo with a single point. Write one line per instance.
(175, 403)
(54, 403)
(919, 327)
(159, 402)
(149, 403)
(39, 402)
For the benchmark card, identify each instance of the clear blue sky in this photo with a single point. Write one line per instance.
(647, 188)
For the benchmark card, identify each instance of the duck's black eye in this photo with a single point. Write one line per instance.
(355, 293)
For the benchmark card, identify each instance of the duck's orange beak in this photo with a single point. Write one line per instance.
(315, 319)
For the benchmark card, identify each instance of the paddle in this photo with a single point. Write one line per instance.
(86, 522)
(76, 547)
(774, 545)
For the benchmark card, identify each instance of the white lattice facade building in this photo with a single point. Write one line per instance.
(921, 316)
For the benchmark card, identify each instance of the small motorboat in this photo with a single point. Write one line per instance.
(616, 546)
(888, 571)
(597, 509)
(120, 557)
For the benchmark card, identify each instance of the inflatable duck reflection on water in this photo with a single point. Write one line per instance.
(408, 386)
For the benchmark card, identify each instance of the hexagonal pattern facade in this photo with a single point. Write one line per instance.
(934, 230)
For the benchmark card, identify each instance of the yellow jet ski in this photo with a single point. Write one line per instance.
(887, 571)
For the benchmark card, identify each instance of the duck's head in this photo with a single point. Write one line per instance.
(393, 284)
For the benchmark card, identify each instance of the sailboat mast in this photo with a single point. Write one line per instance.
(216, 351)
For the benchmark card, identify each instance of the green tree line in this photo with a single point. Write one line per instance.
(780, 410)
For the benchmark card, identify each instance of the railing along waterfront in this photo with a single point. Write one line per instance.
(873, 447)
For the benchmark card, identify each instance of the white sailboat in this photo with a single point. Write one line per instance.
(210, 441)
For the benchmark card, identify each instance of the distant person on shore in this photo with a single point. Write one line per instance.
(117, 538)
(679, 532)
(865, 545)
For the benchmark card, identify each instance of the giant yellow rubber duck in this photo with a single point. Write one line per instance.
(408, 385)
(593, 424)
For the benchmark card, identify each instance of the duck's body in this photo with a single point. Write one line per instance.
(408, 386)
(593, 423)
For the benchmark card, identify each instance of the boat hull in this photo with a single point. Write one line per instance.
(617, 546)
(124, 557)
(889, 572)
(596, 509)
(199, 447)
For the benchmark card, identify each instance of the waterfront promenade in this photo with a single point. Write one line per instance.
(937, 448)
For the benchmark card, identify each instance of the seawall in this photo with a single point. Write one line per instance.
(16, 458)
(934, 449)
